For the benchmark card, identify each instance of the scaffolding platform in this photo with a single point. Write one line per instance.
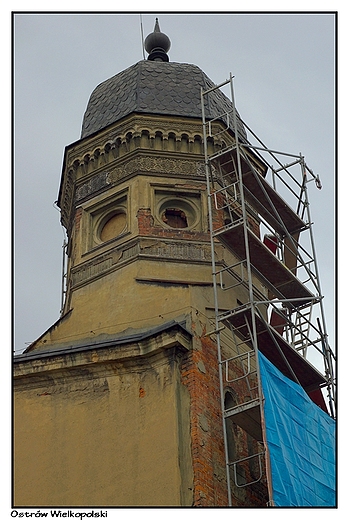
(259, 193)
(248, 417)
(276, 349)
(270, 270)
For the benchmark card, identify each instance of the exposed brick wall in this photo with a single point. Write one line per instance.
(200, 377)
(145, 221)
(146, 227)
(78, 215)
(199, 371)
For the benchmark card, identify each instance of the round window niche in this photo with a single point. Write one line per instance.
(177, 214)
(175, 218)
(112, 226)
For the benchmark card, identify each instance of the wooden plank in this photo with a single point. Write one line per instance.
(274, 273)
(260, 194)
(248, 417)
(308, 376)
(268, 203)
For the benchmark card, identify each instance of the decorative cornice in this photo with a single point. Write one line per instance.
(134, 127)
(153, 134)
(40, 367)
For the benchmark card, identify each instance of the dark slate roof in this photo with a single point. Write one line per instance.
(153, 87)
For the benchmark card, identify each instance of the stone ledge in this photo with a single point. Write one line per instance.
(129, 350)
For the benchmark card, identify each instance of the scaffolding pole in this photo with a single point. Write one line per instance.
(219, 353)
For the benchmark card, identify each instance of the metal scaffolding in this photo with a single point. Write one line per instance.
(259, 211)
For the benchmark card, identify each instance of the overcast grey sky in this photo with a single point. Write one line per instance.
(284, 68)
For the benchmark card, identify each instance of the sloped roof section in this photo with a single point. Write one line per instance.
(154, 87)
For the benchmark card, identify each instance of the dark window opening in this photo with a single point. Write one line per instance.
(175, 218)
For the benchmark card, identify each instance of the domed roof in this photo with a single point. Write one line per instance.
(154, 87)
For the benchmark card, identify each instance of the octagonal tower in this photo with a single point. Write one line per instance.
(125, 383)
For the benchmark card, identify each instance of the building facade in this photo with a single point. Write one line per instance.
(119, 402)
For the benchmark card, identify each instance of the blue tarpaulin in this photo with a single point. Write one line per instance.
(301, 443)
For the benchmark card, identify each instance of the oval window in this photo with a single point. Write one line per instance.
(113, 226)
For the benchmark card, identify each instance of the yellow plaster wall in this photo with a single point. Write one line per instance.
(117, 438)
(115, 302)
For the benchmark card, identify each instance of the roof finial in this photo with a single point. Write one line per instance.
(157, 44)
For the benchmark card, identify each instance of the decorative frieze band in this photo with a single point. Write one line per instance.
(106, 262)
(178, 251)
(160, 165)
(93, 185)
(96, 267)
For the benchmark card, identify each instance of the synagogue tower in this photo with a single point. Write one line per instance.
(119, 402)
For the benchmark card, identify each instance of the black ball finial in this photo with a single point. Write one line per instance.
(157, 44)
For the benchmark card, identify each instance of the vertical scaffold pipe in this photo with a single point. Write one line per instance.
(219, 354)
(322, 330)
(250, 289)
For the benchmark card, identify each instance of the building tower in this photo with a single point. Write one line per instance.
(121, 402)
